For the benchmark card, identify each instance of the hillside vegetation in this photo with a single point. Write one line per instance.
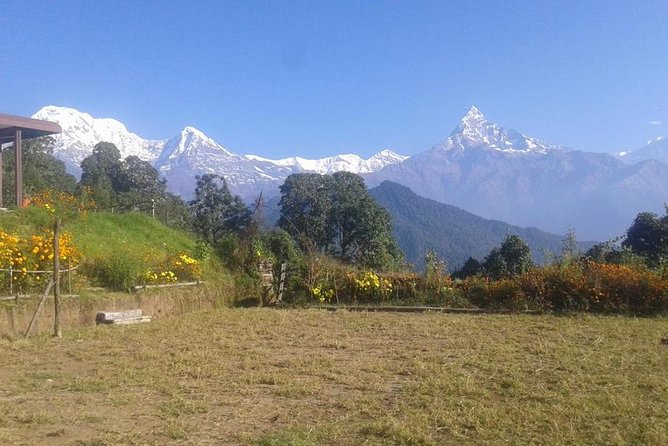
(420, 224)
(99, 232)
(114, 250)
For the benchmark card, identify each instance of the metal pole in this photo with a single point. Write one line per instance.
(19, 169)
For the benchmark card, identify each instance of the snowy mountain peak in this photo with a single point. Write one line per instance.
(475, 132)
(189, 142)
(346, 162)
(472, 119)
(81, 132)
(656, 149)
(388, 153)
(191, 153)
(190, 135)
(190, 130)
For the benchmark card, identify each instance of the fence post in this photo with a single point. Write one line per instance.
(281, 281)
(39, 307)
(69, 275)
(11, 281)
(57, 332)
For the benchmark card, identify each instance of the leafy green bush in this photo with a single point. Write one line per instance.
(117, 270)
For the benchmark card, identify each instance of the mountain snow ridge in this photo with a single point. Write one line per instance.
(501, 174)
(191, 153)
(348, 162)
(474, 131)
(81, 132)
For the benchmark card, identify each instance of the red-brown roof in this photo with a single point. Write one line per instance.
(30, 128)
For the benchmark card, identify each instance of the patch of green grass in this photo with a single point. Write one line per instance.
(292, 437)
(91, 442)
(26, 221)
(179, 406)
(134, 230)
(33, 418)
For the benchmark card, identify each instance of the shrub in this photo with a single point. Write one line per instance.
(118, 270)
(588, 286)
(25, 255)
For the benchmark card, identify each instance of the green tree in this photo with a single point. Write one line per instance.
(281, 246)
(336, 215)
(517, 255)
(362, 228)
(138, 185)
(41, 170)
(306, 209)
(172, 211)
(495, 265)
(216, 212)
(470, 268)
(570, 249)
(648, 237)
(511, 259)
(102, 171)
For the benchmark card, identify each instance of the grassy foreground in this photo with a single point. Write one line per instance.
(268, 377)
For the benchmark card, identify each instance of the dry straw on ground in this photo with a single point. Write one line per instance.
(259, 376)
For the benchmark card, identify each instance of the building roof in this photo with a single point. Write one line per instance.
(30, 128)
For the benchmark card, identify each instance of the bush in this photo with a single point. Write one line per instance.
(118, 270)
(589, 286)
(25, 255)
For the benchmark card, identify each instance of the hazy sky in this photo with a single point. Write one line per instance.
(315, 78)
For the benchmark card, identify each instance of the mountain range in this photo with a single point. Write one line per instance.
(492, 171)
(502, 174)
(191, 153)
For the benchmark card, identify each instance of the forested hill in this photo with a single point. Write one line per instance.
(420, 224)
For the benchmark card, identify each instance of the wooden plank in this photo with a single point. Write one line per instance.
(420, 309)
(165, 285)
(31, 296)
(107, 317)
(130, 320)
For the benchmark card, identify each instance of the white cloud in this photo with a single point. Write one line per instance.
(655, 123)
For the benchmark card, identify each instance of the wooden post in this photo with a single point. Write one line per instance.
(18, 162)
(69, 275)
(1, 175)
(39, 307)
(281, 281)
(11, 281)
(57, 331)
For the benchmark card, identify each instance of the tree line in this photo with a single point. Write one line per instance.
(333, 215)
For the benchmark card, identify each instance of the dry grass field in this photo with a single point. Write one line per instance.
(275, 377)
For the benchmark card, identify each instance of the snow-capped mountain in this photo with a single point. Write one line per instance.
(502, 174)
(348, 162)
(656, 149)
(475, 131)
(192, 153)
(81, 132)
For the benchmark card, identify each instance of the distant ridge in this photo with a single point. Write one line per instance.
(421, 224)
(502, 174)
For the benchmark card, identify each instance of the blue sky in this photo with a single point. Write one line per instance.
(315, 78)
